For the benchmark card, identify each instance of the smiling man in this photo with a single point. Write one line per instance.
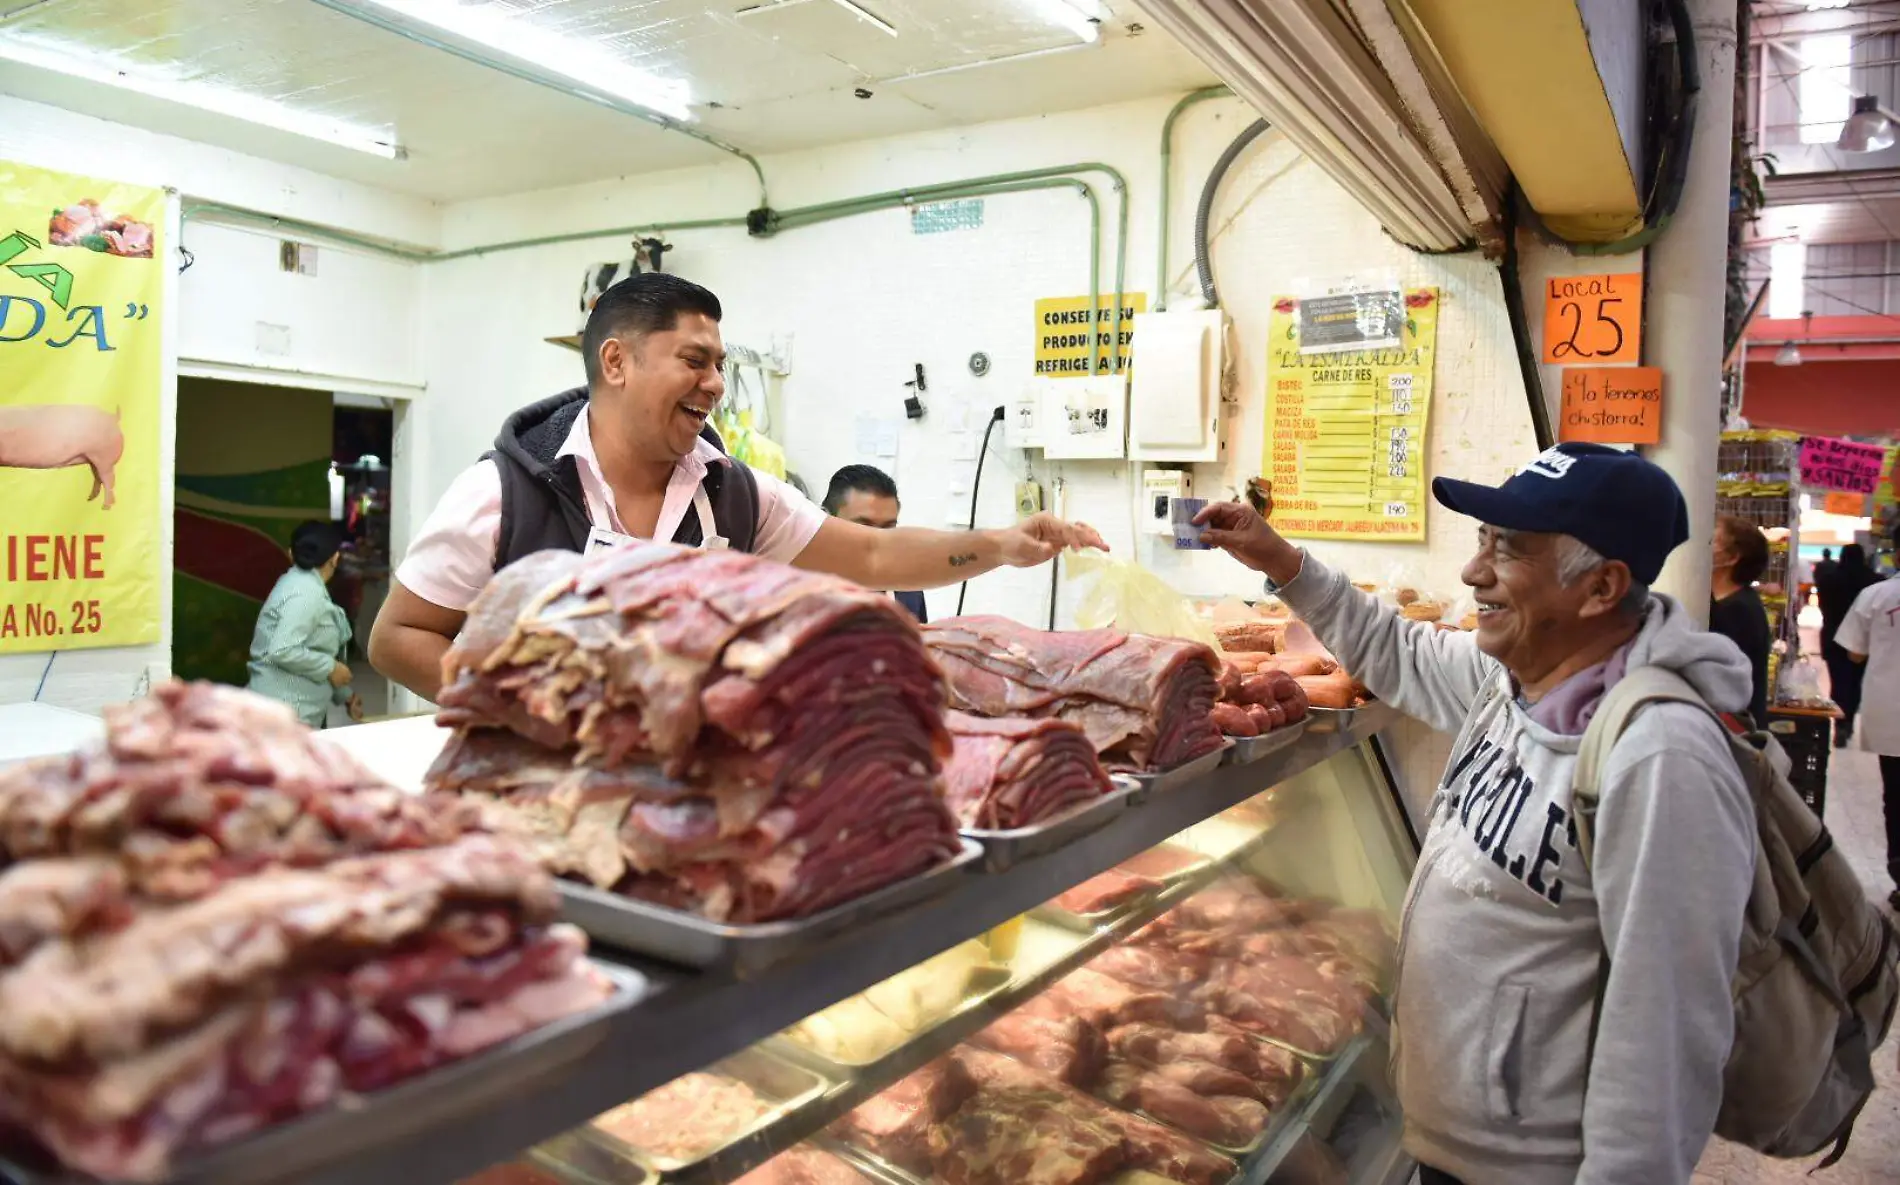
(630, 456)
(1510, 939)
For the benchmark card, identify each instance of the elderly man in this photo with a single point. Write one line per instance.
(1510, 943)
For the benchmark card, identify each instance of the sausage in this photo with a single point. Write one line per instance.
(1293, 703)
(1262, 716)
(1303, 665)
(1234, 720)
(1230, 677)
(1328, 691)
(1255, 689)
(1276, 716)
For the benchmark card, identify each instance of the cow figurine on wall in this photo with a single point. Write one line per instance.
(58, 436)
(647, 255)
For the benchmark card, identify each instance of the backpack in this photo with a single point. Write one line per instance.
(1816, 983)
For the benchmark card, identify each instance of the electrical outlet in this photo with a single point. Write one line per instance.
(1028, 499)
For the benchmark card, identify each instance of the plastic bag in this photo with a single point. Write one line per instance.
(1800, 683)
(1123, 594)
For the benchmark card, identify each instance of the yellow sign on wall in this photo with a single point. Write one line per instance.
(1345, 435)
(1063, 346)
(81, 277)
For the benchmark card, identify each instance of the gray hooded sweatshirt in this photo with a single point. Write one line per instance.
(1505, 929)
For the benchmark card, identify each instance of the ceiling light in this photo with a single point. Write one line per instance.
(1869, 129)
(867, 16)
(1789, 355)
(1818, 5)
(497, 31)
(93, 66)
(1061, 12)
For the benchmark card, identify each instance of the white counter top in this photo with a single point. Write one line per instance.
(41, 730)
(398, 751)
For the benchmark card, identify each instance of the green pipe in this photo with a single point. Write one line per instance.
(576, 90)
(1167, 160)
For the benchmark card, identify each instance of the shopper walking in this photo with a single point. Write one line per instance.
(302, 636)
(1870, 635)
(1514, 947)
(1837, 589)
(1735, 608)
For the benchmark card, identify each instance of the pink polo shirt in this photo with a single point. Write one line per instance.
(453, 555)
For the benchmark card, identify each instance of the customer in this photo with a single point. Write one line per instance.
(866, 495)
(630, 456)
(1506, 929)
(302, 635)
(1871, 635)
(1836, 590)
(1735, 608)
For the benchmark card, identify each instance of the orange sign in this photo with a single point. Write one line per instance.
(1593, 319)
(1612, 405)
(1851, 505)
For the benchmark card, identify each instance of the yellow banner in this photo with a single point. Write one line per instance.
(81, 277)
(1345, 434)
(1063, 346)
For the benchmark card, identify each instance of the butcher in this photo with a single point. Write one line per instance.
(1526, 973)
(631, 456)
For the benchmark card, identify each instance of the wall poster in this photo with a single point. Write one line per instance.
(1345, 434)
(81, 278)
(1063, 346)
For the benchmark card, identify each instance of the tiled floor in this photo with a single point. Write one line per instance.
(1854, 817)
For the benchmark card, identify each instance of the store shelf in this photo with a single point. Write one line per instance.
(690, 1020)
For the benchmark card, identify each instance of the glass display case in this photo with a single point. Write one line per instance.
(1197, 992)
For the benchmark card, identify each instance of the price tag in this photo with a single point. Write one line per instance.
(1593, 319)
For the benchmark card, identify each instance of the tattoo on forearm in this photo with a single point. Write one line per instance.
(958, 561)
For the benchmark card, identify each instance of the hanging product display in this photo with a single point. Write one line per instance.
(81, 304)
(744, 417)
(1349, 384)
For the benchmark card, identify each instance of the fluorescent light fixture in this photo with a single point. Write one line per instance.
(1869, 129)
(93, 66)
(1061, 12)
(1789, 355)
(1823, 95)
(867, 16)
(496, 29)
(1787, 280)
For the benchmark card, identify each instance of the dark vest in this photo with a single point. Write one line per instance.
(543, 508)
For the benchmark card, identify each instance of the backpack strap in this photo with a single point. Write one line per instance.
(1637, 689)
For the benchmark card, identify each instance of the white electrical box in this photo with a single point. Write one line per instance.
(1175, 404)
(1085, 419)
(1022, 418)
(1159, 488)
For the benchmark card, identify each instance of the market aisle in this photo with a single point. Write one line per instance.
(1853, 815)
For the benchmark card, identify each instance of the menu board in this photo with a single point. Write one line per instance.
(1345, 435)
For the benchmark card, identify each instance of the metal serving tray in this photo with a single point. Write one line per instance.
(429, 1102)
(1169, 778)
(1245, 750)
(1003, 850)
(984, 982)
(680, 937)
(1330, 720)
(783, 1086)
(1277, 1119)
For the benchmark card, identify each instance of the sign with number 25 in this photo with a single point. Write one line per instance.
(1591, 320)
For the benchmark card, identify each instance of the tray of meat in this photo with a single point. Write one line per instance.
(1187, 771)
(1245, 750)
(1230, 1112)
(696, 1127)
(1102, 899)
(677, 936)
(1003, 850)
(815, 1162)
(536, 1168)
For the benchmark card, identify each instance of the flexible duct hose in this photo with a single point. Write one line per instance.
(1203, 264)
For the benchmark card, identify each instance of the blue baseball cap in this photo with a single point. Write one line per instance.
(1624, 507)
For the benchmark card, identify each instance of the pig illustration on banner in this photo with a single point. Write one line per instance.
(53, 437)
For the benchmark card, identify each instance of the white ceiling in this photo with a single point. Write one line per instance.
(775, 80)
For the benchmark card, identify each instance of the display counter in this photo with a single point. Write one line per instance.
(1318, 825)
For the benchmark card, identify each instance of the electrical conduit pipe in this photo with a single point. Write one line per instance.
(1167, 162)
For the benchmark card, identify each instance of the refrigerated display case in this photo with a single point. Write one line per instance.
(1265, 892)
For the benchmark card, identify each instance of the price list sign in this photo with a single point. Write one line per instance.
(1345, 434)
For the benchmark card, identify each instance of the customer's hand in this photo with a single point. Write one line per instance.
(340, 675)
(355, 708)
(1243, 533)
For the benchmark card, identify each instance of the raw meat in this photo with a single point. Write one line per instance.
(1067, 1048)
(686, 1120)
(213, 922)
(1150, 968)
(1026, 1137)
(1014, 772)
(1105, 892)
(1106, 1002)
(1286, 1000)
(804, 1165)
(898, 1124)
(1158, 1045)
(1144, 702)
(1134, 1088)
(710, 731)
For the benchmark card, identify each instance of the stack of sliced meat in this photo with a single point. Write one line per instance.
(1144, 702)
(1015, 771)
(217, 922)
(705, 730)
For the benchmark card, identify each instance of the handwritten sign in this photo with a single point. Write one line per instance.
(1593, 319)
(1612, 405)
(1830, 464)
(1851, 505)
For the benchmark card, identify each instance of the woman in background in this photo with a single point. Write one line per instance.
(1836, 590)
(1735, 609)
(302, 635)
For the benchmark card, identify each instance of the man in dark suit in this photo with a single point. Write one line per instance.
(866, 495)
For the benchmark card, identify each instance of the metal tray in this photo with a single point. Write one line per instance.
(1089, 923)
(984, 982)
(1277, 1120)
(1169, 778)
(1003, 850)
(1251, 749)
(429, 1102)
(784, 1086)
(1330, 720)
(625, 924)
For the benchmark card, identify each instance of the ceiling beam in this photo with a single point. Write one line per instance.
(1801, 189)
